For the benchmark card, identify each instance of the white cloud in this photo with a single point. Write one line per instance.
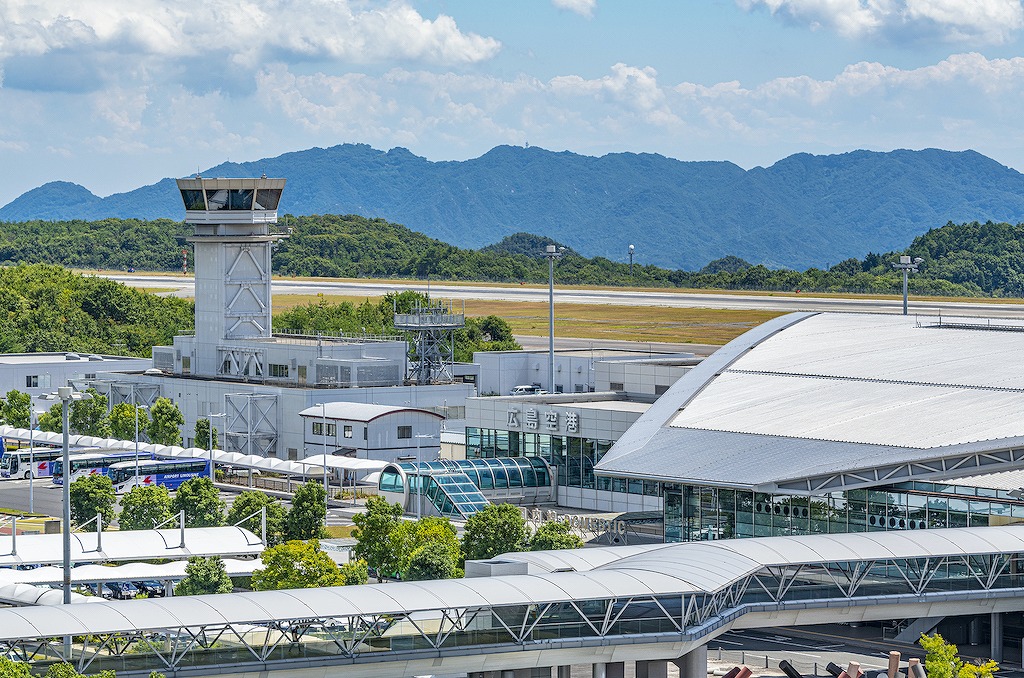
(581, 7)
(964, 101)
(151, 36)
(970, 21)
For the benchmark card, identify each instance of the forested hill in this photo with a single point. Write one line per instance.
(802, 211)
(967, 259)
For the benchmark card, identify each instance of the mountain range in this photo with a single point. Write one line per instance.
(804, 210)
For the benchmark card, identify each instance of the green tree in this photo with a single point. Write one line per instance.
(52, 420)
(204, 576)
(427, 563)
(144, 506)
(497, 529)
(203, 432)
(355, 573)
(434, 533)
(374, 536)
(248, 503)
(122, 421)
(89, 417)
(165, 423)
(201, 502)
(553, 535)
(15, 410)
(305, 519)
(12, 669)
(90, 495)
(943, 661)
(296, 565)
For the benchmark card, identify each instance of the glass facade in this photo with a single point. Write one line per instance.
(572, 458)
(694, 513)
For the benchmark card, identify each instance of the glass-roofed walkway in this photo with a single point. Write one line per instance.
(459, 488)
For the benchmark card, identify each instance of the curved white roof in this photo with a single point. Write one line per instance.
(26, 594)
(661, 570)
(817, 394)
(88, 574)
(47, 549)
(363, 412)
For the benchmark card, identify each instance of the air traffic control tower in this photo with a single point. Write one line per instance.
(233, 220)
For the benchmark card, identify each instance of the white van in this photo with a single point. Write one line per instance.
(526, 389)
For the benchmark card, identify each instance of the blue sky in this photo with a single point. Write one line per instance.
(113, 94)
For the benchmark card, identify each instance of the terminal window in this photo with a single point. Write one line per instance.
(32, 381)
(404, 432)
(348, 431)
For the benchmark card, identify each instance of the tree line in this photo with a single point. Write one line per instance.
(969, 259)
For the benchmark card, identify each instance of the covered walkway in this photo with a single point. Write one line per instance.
(550, 609)
(309, 466)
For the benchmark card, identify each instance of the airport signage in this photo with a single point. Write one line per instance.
(532, 419)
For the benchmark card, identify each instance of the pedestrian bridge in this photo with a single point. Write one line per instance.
(555, 608)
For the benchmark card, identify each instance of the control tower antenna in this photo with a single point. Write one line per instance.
(433, 327)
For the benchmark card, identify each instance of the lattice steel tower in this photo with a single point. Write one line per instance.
(233, 239)
(434, 328)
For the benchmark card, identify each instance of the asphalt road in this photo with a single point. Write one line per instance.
(185, 286)
(47, 498)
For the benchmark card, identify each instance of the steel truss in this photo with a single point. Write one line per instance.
(251, 426)
(247, 291)
(682, 616)
(949, 465)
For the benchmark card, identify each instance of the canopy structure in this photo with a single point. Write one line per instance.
(88, 574)
(99, 547)
(658, 600)
(27, 594)
(305, 467)
(344, 463)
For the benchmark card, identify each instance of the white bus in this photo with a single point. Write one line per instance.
(92, 463)
(20, 464)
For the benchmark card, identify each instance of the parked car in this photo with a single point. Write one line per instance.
(527, 389)
(153, 589)
(122, 590)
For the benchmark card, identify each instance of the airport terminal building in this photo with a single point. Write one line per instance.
(833, 423)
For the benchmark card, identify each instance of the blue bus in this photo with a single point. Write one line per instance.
(170, 473)
(92, 463)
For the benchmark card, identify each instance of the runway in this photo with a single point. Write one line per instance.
(185, 287)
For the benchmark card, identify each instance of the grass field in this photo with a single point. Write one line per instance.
(597, 321)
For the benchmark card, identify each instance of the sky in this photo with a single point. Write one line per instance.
(115, 94)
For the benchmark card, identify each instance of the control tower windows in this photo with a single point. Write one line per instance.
(223, 199)
(193, 199)
(267, 199)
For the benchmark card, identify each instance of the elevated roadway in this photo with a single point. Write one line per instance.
(605, 605)
(185, 286)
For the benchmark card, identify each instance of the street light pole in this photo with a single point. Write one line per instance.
(31, 455)
(66, 394)
(323, 411)
(631, 248)
(210, 418)
(551, 253)
(907, 266)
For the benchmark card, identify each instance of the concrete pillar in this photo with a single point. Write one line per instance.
(694, 664)
(974, 631)
(651, 669)
(598, 671)
(997, 636)
(565, 671)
